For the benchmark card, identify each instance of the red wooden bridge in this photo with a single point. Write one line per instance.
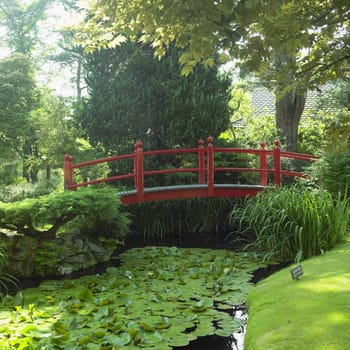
(205, 170)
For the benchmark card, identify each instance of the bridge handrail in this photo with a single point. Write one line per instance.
(170, 151)
(205, 169)
(103, 160)
(298, 156)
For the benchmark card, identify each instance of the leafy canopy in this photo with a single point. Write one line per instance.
(252, 30)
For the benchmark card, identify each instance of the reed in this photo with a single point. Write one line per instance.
(292, 222)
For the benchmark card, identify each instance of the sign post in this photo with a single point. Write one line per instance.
(296, 272)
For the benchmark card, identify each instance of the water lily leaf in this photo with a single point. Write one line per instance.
(48, 286)
(23, 343)
(146, 326)
(29, 328)
(128, 274)
(75, 307)
(67, 284)
(118, 340)
(202, 305)
(85, 340)
(150, 338)
(18, 300)
(103, 312)
(50, 299)
(99, 333)
(92, 346)
(85, 295)
(203, 330)
(122, 300)
(57, 339)
(162, 324)
(180, 341)
(60, 328)
(159, 297)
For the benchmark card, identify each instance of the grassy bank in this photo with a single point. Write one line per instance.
(312, 313)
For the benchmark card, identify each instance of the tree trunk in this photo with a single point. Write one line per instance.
(30, 152)
(289, 108)
(48, 172)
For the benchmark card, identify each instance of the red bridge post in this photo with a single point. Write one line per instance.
(138, 170)
(277, 163)
(210, 166)
(201, 165)
(263, 165)
(67, 172)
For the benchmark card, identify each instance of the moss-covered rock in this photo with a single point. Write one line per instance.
(67, 253)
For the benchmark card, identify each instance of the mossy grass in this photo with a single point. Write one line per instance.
(312, 312)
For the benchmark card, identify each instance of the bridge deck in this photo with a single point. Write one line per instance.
(189, 191)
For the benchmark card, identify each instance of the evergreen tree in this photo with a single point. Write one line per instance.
(135, 97)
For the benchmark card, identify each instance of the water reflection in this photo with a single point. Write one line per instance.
(214, 342)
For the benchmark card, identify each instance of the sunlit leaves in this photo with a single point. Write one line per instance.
(123, 309)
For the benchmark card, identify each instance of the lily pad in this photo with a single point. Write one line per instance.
(157, 298)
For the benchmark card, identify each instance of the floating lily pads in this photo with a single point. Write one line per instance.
(157, 299)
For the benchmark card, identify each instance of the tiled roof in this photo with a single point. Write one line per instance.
(264, 100)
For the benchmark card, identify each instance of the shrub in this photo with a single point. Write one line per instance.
(89, 210)
(332, 171)
(293, 222)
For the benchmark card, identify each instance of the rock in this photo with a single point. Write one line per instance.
(69, 252)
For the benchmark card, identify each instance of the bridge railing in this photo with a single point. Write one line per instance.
(205, 168)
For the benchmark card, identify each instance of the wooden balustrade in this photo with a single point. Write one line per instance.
(205, 170)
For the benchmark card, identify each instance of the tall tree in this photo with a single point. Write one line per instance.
(53, 124)
(133, 96)
(17, 98)
(21, 23)
(297, 43)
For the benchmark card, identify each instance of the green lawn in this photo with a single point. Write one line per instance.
(312, 313)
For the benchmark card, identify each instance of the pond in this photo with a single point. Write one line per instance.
(158, 298)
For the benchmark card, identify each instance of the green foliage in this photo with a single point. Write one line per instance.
(235, 160)
(56, 135)
(135, 97)
(159, 298)
(291, 46)
(293, 222)
(311, 134)
(262, 28)
(332, 171)
(19, 189)
(22, 23)
(91, 211)
(16, 98)
(196, 220)
(255, 130)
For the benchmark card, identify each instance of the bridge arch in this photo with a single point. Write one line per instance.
(205, 170)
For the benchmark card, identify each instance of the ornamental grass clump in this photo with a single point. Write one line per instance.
(292, 222)
(5, 278)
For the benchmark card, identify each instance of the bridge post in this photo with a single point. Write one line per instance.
(67, 172)
(263, 165)
(210, 166)
(277, 163)
(201, 165)
(138, 170)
